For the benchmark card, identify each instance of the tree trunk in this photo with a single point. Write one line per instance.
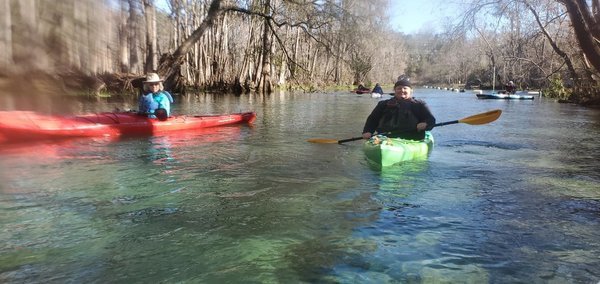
(151, 40)
(313, 64)
(132, 39)
(294, 66)
(245, 74)
(123, 35)
(337, 75)
(586, 28)
(5, 35)
(224, 48)
(170, 65)
(265, 84)
(27, 48)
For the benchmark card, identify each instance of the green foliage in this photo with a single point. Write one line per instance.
(557, 89)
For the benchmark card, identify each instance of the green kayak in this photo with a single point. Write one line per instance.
(386, 151)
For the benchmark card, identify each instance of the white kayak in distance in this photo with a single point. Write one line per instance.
(505, 96)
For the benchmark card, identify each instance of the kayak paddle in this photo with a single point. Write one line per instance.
(478, 119)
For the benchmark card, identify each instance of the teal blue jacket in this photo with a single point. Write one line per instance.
(149, 102)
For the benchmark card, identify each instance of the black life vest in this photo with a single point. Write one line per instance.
(398, 117)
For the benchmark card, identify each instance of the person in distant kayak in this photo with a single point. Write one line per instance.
(401, 116)
(155, 102)
(510, 87)
(377, 89)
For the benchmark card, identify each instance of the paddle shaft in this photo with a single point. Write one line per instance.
(358, 138)
(446, 123)
(349, 139)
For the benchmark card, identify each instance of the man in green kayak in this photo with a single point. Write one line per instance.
(401, 116)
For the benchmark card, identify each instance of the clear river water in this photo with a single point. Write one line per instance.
(513, 201)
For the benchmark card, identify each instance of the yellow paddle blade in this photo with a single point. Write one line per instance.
(322, 141)
(482, 118)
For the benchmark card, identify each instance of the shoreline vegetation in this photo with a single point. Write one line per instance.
(69, 47)
(74, 83)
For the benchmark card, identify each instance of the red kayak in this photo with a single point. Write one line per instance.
(16, 126)
(363, 91)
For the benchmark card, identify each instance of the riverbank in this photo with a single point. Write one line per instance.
(76, 83)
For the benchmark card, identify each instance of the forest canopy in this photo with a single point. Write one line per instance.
(261, 45)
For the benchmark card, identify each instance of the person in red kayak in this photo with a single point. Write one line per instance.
(155, 102)
(401, 116)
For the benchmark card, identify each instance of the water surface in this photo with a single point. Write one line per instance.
(516, 200)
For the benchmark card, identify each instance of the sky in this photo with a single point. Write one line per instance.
(409, 16)
(412, 16)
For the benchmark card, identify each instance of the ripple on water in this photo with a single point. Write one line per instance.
(487, 144)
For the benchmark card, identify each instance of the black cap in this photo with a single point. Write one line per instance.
(403, 81)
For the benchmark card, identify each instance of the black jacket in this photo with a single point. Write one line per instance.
(400, 117)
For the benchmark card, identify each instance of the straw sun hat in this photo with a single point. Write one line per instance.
(153, 78)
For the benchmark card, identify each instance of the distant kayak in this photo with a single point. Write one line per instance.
(498, 96)
(360, 92)
(386, 151)
(18, 126)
